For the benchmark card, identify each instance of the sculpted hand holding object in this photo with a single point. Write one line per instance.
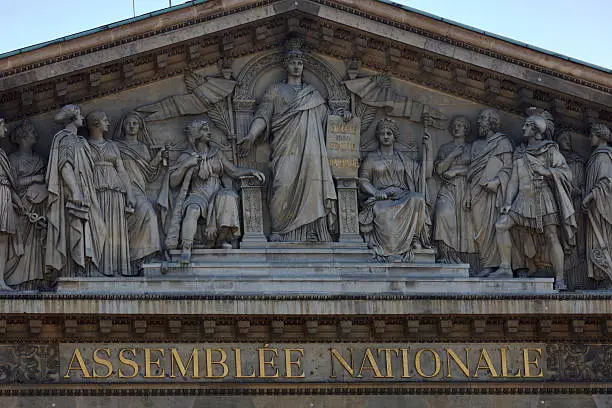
(76, 233)
(29, 172)
(135, 144)
(487, 176)
(538, 201)
(453, 229)
(198, 172)
(293, 114)
(394, 218)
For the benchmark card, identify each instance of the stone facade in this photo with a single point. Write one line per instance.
(294, 179)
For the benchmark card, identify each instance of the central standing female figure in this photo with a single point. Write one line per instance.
(302, 193)
(394, 218)
(112, 186)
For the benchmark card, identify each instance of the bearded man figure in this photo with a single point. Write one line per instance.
(487, 176)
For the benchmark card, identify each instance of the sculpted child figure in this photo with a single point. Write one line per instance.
(538, 202)
(394, 218)
(199, 173)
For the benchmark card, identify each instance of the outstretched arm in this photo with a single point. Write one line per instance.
(236, 172)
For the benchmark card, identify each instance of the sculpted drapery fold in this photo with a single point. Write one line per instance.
(76, 231)
(302, 191)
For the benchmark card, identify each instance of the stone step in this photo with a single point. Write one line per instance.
(293, 253)
(322, 285)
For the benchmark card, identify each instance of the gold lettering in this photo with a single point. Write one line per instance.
(175, 357)
(210, 364)
(82, 367)
(465, 368)
(289, 363)
(417, 362)
(372, 364)
(405, 366)
(528, 363)
(504, 364)
(126, 361)
(149, 363)
(387, 353)
(489, 365)
(349, 368)
(238, 358)
(263, 362)
(99, 360)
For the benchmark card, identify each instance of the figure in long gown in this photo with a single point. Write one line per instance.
(598, 189)
(135, 143)
(76, 231)
(487, 176)
(29, 175)
(394, 218)
(302, 194)
(453, 228)
(109, 176)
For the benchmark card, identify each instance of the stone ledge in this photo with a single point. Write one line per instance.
(597, 305)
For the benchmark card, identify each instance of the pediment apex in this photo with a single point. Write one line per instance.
(400, 41)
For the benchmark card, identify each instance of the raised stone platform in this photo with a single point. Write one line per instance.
(286, 269)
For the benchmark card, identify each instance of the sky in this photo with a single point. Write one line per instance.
(578, 29)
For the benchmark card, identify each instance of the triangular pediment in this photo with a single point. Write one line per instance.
(371, 36)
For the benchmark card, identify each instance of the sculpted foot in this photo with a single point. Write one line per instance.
(185, 254)
(560, 285)
(275, 237)
(504, 271)
(483, 273)
(4, 287)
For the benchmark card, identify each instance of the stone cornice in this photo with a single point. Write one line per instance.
(210, 33)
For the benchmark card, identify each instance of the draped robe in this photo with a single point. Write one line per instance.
(143, 227)
(30, 267)
(493, 153)
(72, 236)
(599, 222)
(302, 190)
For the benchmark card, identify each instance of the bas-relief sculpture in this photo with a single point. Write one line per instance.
(487, 177)
(575, 259)
(76, 234)
(537, 206)
(199, 173)
(453, 228)
(596, 203)
(115, 197)
(10, 242)
(143, 166)
(112, 205)
(302, 199)
(394, 217)
(28, 271)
